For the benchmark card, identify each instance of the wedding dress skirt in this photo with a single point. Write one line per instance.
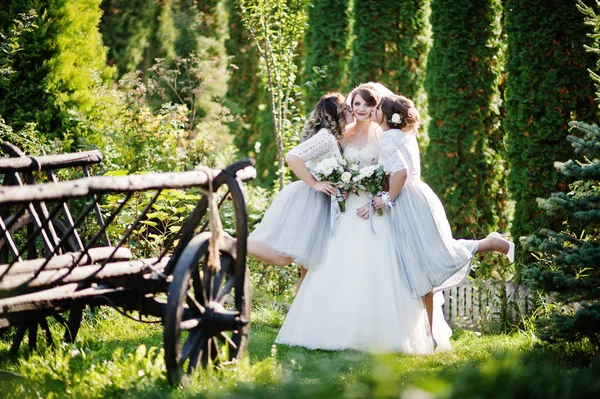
(357, 298)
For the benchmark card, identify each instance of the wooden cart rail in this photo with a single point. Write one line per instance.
(49, 162)
(56, 254)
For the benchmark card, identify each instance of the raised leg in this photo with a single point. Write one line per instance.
(494, 242)
(266, 254)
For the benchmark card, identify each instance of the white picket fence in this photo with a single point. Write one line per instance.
(477, 303)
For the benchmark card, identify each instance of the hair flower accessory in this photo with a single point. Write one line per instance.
(396, 118)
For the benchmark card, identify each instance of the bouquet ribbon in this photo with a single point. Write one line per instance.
(371, 212)
(335, 212)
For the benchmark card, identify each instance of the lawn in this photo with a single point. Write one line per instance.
(117, 357)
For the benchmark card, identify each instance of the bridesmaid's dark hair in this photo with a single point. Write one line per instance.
(328, 114)
(400, 113)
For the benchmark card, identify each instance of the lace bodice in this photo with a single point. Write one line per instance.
(399, 151)
(367, 155)
(320, 146)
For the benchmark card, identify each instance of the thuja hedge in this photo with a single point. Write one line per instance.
(326, 44)
(465, 164)
(54, 71)
(390, 45)
(547, 85)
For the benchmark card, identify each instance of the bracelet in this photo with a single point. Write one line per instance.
(387, 201)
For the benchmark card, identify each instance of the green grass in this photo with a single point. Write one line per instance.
(117, 357)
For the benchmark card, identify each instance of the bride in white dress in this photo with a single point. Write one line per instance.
(357, 298)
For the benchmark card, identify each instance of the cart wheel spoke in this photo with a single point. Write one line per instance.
(199, 293)
(196, 352)
(227, 339)
(190, 324)
(194, 304)
(225, 262)
(224, 292)
(190, 344)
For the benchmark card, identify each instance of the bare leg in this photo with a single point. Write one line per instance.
(491, 244)
(428, 298)
(266, 254)
(494, 242)
(303, 272)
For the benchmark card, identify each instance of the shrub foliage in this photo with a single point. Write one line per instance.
(547, 85)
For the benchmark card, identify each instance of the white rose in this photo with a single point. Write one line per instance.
(396, 118)
(346, 176)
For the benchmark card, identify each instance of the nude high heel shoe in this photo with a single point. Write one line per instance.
(511, 246)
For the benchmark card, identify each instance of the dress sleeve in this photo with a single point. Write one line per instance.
(390, 154)
(315, 146)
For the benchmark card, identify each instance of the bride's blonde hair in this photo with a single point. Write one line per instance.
(328, 114)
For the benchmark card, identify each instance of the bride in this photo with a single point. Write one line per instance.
(357, 298)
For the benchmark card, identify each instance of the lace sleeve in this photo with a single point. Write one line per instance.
(315, 146)
(390, 155)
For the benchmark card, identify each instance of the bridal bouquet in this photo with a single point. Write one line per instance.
(334, 170)
(370, 179)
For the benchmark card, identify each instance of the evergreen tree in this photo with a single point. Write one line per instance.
(568, 264)
(546, 87)
(128, 28)
(247, 98)
(326, 42)
(465, 166)
(57, 68)
(569, 261)
(391, 43)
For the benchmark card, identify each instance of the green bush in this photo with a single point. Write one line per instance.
(55, 69)
(547, 86)
(327, 50)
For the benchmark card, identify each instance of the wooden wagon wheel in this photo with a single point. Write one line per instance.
(70, 322)
(202, 324)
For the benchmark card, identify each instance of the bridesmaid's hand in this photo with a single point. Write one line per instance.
(378, 203)
(326, 187)
(363, 212)
(344, 194)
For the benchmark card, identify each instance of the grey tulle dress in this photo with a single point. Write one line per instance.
(298, 221)
(429, 257)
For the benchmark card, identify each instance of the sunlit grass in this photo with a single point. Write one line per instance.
(118, 357)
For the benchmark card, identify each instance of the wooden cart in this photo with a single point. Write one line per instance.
(57, 257)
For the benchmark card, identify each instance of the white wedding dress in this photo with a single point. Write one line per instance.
(357, 298)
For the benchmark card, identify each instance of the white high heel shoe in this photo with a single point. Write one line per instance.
(511, 245)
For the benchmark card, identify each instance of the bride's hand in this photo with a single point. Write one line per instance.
(344, 194)
(326, 187)
(363, 212)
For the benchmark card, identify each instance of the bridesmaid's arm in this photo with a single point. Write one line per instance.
(397, 182)
(298, 166)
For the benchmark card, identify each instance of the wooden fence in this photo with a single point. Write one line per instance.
(475, 304)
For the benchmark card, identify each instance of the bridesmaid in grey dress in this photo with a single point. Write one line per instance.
(296, 226)
(431, 260)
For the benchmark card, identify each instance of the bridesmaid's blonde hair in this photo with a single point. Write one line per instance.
(328, 114)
